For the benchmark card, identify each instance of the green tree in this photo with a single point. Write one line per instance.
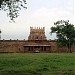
(13, 7)
(65, 33)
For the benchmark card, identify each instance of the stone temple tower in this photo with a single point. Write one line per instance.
(37, 33)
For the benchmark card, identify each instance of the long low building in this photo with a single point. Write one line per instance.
(36, 42)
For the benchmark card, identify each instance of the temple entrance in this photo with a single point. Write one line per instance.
(36, 48)
(37, 41)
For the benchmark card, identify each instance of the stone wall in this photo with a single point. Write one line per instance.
(18, 46)
(11, 45)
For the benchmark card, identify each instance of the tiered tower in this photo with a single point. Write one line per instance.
(37, 33)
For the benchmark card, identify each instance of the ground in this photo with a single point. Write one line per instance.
(37, 64)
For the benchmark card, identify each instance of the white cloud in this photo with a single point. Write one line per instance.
(47, 16)
(41, 17)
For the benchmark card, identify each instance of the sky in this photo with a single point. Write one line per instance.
(39, 13)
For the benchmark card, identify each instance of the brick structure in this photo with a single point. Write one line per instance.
(36, 42)
(37, 34)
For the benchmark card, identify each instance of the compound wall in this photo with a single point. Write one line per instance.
(18, 46)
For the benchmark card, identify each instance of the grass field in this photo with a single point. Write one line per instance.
(37, 64)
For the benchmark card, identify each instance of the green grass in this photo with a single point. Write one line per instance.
(37, 64)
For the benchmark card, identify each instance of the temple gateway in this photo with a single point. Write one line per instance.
(37, 41)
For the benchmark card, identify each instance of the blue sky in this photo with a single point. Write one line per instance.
(39, 13)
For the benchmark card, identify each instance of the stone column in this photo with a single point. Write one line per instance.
(43, 48)
(32, 48)
(29, 48)
(50, 49)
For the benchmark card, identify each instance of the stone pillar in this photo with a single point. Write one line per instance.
(29, 48)
(50, 49)
(32, 48)
(43, 48)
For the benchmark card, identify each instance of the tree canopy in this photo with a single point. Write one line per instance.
(13, 7)
(0, 31)
(65, 33)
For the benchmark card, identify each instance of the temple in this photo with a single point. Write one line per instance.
(37, 42)
(37, 34)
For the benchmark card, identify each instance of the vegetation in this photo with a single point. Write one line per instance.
(0, 34)
(65, 33)
(12, 6)
(37, 64)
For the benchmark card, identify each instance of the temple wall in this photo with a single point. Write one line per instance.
(53, 46)
(18, 46)
(11, 46)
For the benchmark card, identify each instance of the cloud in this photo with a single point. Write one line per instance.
(53, 13)
(47, 16)
(40, 17)
(43, 17)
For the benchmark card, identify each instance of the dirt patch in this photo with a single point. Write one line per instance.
(68, 72)
(37, 73)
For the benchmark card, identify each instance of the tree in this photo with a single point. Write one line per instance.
(0, 34)
(65, 33)
(13, 7)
